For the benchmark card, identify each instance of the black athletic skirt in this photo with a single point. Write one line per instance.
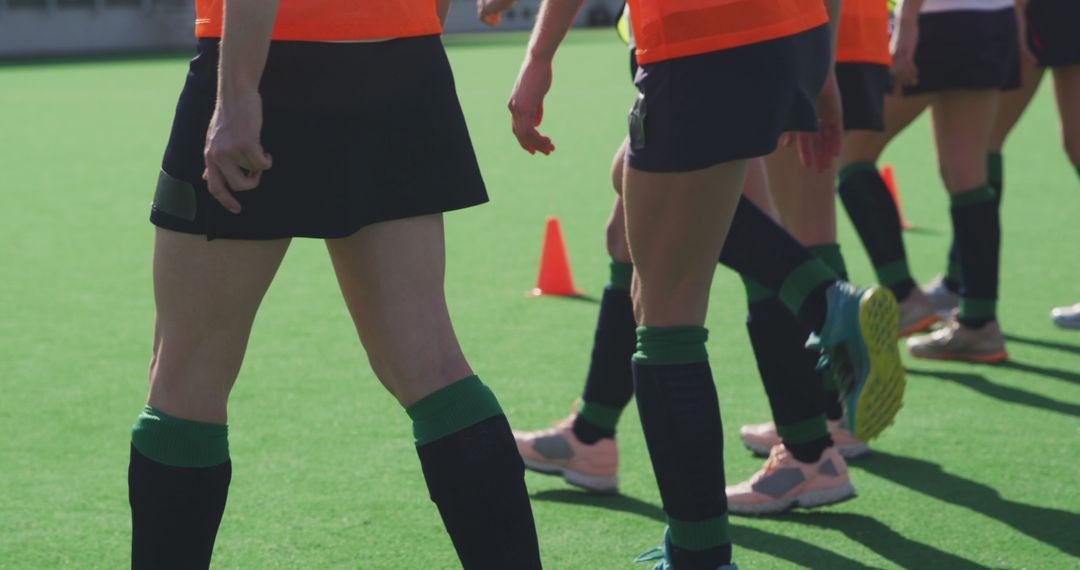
(359, 133)
(699, 111)
(1054, 31)
(968, 50)
(862, 92)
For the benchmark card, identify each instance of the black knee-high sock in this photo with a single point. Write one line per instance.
(873, 213)
(977, 227)
(995, 172)
(680, 415)
(759, 249)
(609, 385)
(789, 373)
(475, 476)
(178, 481)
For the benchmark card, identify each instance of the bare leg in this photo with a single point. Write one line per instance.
(1067, 90)
(867, 146)
(962, 124)
(1013, 104)
(805, 198)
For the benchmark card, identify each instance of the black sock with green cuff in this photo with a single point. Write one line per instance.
(609, 385)
(475, 476)
(680, 415)
(995, 177)
(178, 482)
(977, 230)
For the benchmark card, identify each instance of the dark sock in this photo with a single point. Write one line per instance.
(610, 382)
(995, 172)
(475, 476)
(977, 227)
(680, 415)
(873, 213)
(789, 373)
(831, 255)
(759, 249)
(178, 481)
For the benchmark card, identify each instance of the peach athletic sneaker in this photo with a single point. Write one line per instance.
(785, 483)
(954, 341)
(557, 451)
(916, 313)
(761, 438)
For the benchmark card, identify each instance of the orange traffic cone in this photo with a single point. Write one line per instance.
(890, 182)
(554, 277)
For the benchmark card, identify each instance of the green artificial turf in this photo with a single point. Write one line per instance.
(979, 471)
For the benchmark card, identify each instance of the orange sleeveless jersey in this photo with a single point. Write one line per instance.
(334, 20)
(863, 36)
(669, 29)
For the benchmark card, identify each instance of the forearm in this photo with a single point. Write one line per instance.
(245, 43)
(833, 7)
(554, 20)
(909, 10)
(443, 7)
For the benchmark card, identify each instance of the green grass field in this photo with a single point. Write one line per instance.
(980, 470)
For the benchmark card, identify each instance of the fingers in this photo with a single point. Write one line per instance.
(219, 190)
(524, 123)
(234, 171)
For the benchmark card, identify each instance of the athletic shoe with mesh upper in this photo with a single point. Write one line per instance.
(785, 483)
(954, 341)
(860, 335)
(557, 451)
(916, 314)
(761, 438)
(1066, 317)
(941, 299)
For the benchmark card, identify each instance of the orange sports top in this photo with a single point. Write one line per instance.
(669, 29)
(334, 20)
(863, 36)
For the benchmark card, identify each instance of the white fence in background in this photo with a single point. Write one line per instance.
(66, 27)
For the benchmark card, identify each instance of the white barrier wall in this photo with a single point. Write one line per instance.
(65, 27)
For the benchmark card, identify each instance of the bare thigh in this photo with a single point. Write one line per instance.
(1012, 104)
(1067, 91)
(962, 124)
(867, 146)
(391, 275)
(206, 294)
(617, 247)
(756, 188)
(676, 225)
(804, 197)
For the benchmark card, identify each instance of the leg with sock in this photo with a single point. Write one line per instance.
(996, 178)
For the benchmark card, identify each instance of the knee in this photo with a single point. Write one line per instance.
(411, 379)
(1071, 141)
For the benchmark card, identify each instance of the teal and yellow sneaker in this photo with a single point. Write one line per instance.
(660, 556)
(861, 331)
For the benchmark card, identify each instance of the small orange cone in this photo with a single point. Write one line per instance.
(890, 182)
(554, 277)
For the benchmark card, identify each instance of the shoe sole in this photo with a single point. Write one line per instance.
(919, 326)
(597, 484)
(881, 395)
(810, 500)
(992, 358)
(845, 451)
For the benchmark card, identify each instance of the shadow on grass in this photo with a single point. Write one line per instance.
(793, 550)
(1053, 527)
(876, 536)
(922, 230)
(1041, 370)
(980, 384)
(1072, 348)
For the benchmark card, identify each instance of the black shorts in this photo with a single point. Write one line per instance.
(862, 92)
(359, 133)
(968, 50)
(703, 110)
(1053, 31)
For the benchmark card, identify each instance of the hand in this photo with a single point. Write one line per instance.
(819, 149)
(904, 40)
(490, 11)
(527, 105)
(234, 156)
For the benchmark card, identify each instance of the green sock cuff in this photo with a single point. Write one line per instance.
(893, 273)
(830, 254)
(699, 535)
(980, 195)
(802, 281)
(995, 169)
(177, 442)
(855, 168)
(978, 308)
(600, 415)
(755, 291)
(803, 432)
(462, 404)
(658, 346)
(622, 274)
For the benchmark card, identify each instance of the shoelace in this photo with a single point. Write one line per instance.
(651, 555)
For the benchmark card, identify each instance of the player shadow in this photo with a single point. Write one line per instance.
(786, 548)
(889, 544)
(1041, 370)
(922, 230)
(1054, 527)
(1065, 347)
(980, 384)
